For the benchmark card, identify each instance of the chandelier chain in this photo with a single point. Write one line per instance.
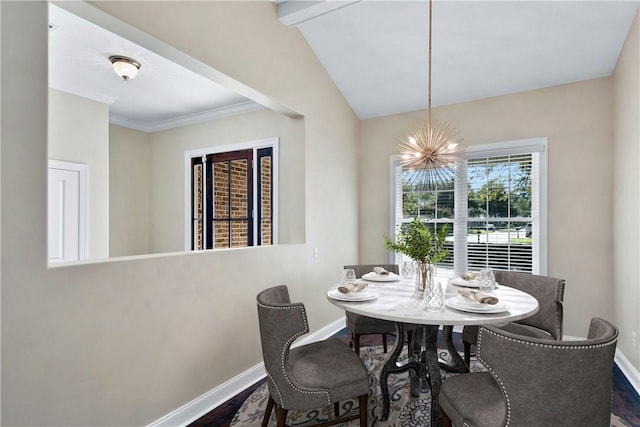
(430, 151)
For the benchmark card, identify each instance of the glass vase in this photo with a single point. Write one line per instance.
(424, 276)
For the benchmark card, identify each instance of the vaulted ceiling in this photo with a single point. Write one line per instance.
(374, 50)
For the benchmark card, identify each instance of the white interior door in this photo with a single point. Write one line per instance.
(66, 224)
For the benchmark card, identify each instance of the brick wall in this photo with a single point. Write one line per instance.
(231, 178)
(265, 167)
(239, 206)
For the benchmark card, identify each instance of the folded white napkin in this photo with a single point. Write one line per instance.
(358, 286)
(477, 296)
(380, 271)
(471, 275)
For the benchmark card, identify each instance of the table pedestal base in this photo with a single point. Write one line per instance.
(423, 364)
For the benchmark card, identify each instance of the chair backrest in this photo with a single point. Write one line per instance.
(552, 383)
(549, 291)
(362, 269)
(281, 323)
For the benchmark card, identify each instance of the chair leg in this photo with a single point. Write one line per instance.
(467, 353)
(336, 409)
(409, 337)
(362, 400)
(446, 421)
(384, 342)
(356, 344)
(282, 417)
(267, 412)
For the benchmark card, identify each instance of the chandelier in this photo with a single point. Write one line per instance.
(430, 150)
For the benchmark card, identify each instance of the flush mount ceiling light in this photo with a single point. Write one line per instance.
(430, 150)
(124, 67)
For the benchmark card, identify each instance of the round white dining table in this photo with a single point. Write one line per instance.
(397, 301)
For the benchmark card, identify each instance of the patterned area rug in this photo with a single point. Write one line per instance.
(406, 411)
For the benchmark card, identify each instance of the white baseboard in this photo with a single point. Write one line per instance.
(204, 404)
(629, 371)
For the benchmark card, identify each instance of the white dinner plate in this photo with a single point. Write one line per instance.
(459, 303)
(391, 277)
(459, 281)
(474, 305)
(365, 295)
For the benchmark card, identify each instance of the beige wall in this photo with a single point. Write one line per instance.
(79, 132)
(125, 342)
(129, 190)
(626, 209)
(577, 119)
(167, 170)
(147, 178)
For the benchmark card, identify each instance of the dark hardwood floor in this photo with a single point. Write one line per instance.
(223, 414)
(626, 402)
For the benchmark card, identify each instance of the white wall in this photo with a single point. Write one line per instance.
(129, 191)
(147, 178)
(626, 196)
(146, 187)
(125, 342)
(79, 132)
(167, 168)
(577, 119)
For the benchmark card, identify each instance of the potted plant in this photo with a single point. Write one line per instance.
(424, 246)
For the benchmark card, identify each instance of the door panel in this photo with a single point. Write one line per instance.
(64, 215)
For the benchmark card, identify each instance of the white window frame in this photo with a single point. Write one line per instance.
(539, 209)
(272, 143)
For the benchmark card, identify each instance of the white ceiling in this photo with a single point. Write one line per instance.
(163, 95)
(374, 50)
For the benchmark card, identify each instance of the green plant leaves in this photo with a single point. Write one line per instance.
(419, 242)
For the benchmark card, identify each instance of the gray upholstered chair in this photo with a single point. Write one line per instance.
(546, 323)
(363, 325)
(535, 382)
(309, 376)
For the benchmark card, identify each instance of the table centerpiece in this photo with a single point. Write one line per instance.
(424, 246)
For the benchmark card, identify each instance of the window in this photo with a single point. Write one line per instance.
(232, 196)
(495, 207)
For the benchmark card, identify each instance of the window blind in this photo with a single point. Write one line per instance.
(495, 206)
